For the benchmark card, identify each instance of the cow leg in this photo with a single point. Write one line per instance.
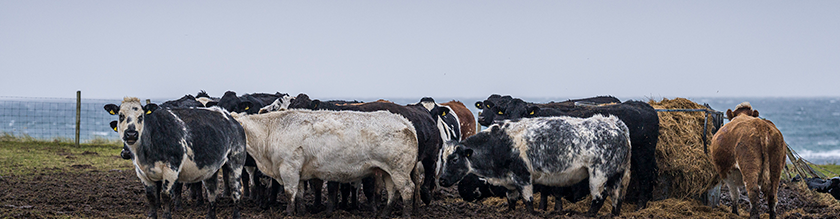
(345, 195)
(275, 188)
(332, 196)
(232, 171)
(248, 178)
(317, 186)
(168, 192)
(354, 196)
(544, 192)
(211, 185)
(770, 195)
(291, 182)
(152, 198)
(403, 184)
(734, 182)
(512, 197)
(389, 187)
(528, 197)
(617, 188)
(368, 187)
(196, 192)
(428, 178)
(177, 188)
(598, 191)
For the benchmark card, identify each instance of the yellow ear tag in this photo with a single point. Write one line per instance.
(444, 114)
(500, 112)
(246, 108)
(111, 112)
(115, 129)
(148, 112)
(468, 156)
(532, 113)
(477, 105)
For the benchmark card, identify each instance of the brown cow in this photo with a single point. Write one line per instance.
(464, 116)
(749, 151)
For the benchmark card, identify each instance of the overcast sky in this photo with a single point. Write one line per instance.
(408, 49)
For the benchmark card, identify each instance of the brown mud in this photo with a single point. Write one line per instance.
(119, 194)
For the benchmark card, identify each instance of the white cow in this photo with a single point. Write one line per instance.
(342, 146)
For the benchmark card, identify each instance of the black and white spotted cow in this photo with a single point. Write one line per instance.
(340, 146)
(185, 145)
(551, 151)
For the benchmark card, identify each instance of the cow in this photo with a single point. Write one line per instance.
(181, 145)
(470, 190)
(749, 151)
(465, 118)
(551, 151)
(248, 103)
(428, 136)
(187, 101)
(295, 145)
(279, 104)
(206, 100)
(830, 186)
(445, 118)
(641, 119)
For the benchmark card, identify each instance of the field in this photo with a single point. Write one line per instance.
(59, 180)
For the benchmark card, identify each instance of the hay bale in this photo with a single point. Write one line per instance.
(684, 169)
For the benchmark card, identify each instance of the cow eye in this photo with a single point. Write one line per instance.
(122, 117)
(140, 118)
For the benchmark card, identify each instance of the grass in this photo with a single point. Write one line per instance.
(830, 167)
(23, 156)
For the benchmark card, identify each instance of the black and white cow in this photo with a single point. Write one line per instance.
(181, 145)
(641, 119)
(473, 188)
(341, 146)
(551, 151)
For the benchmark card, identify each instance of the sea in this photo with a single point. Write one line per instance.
(810, 125)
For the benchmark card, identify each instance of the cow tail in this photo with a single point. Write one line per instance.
(764, 141)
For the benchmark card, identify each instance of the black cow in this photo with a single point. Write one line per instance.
(428, 136)
(551, 151)
(640, 118)
(181, 145)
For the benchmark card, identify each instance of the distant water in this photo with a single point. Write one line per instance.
(811, 126)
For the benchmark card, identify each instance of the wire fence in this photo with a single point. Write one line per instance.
(55, 118)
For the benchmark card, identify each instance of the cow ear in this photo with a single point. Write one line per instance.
(729, 114)
(478, 104)
(533, 110)
(488, 104)
(211, 104)
(114, 125)
(150, 108)
(755, 113)
(245, 105)
(442, 111)
(314, 105)
(112, 108)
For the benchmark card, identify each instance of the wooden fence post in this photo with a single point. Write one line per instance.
(78, 114)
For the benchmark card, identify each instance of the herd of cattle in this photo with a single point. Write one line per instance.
(596, 146)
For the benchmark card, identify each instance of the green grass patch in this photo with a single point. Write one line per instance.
(29, 157)
(830, 167)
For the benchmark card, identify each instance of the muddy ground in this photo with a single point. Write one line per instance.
(119, 194)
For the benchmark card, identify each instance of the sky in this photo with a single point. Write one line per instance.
(412, 49)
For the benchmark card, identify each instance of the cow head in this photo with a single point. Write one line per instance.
(232, 103)
(445, 117)
(742, 109)
(131, 117)
(302, 101)
(456, 163)
(125, 153)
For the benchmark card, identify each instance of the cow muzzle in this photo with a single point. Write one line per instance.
(130, 136)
